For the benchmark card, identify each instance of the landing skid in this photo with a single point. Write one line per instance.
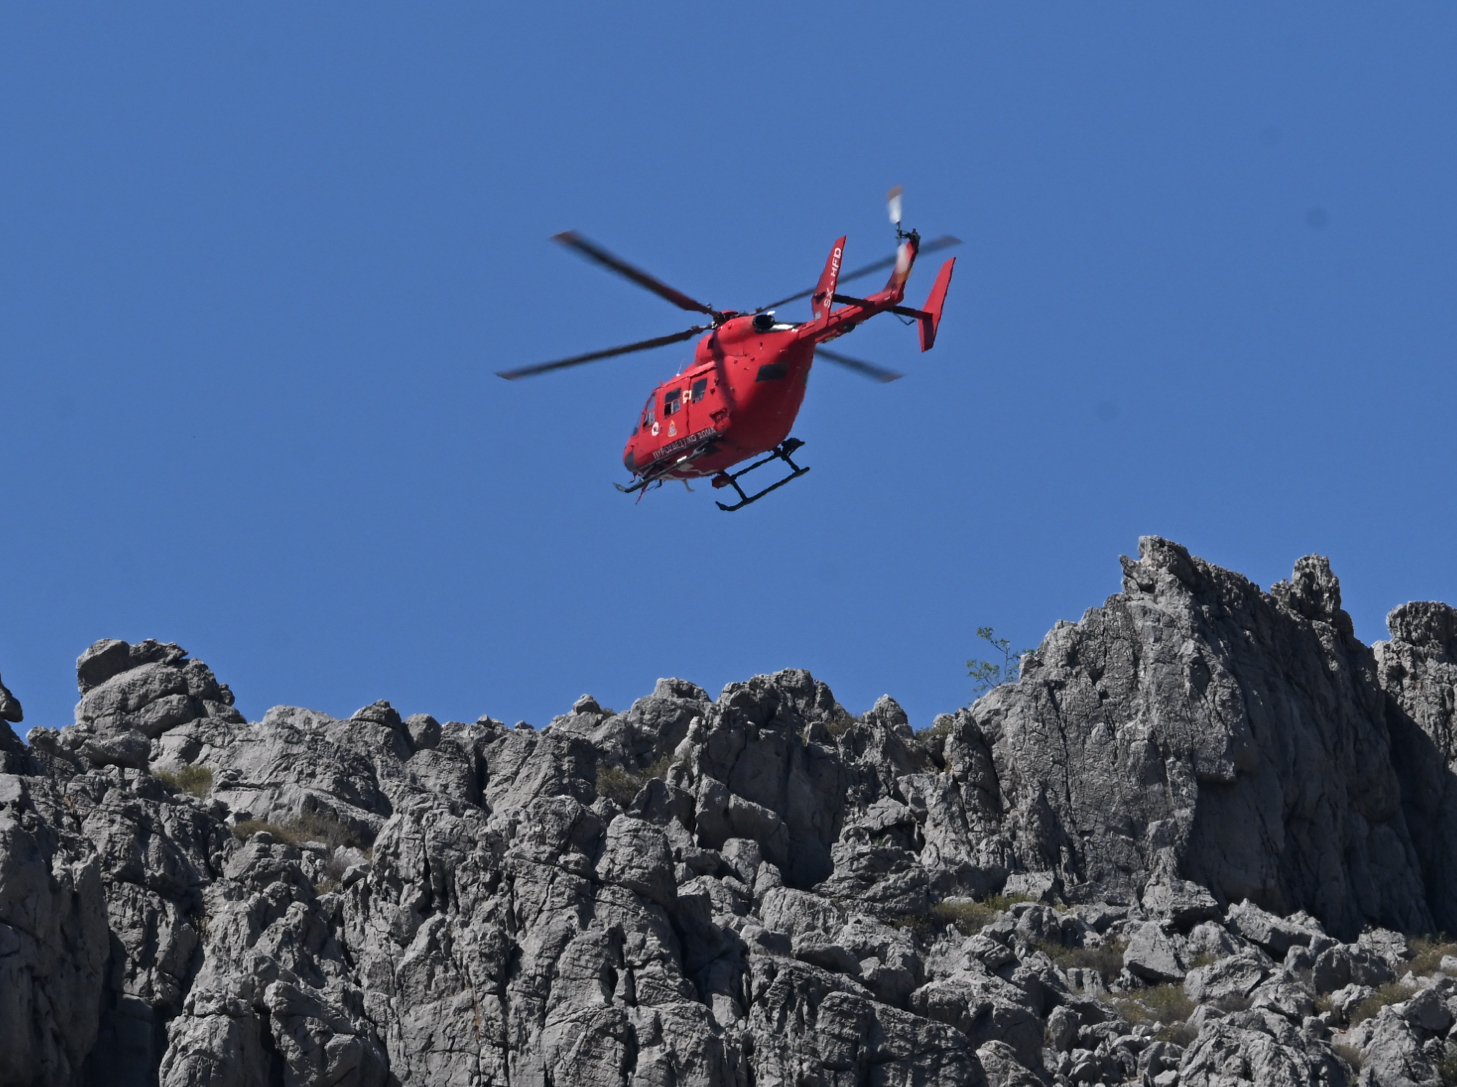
(781, 452)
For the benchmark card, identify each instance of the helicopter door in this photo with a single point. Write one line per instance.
(698, 407)
(675, 419)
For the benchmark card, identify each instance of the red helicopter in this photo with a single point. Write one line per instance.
(740, 396)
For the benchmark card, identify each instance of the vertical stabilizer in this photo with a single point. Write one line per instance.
(931, 316)
(824, 293)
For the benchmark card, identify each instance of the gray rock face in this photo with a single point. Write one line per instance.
(1259, 1047)
(1195, 727)
(1152, 955)
(1202, 786)
(1418, 670)
(10, 706)
(53, 939)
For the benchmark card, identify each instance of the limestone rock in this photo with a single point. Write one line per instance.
(1151, 955)
(10, 706)
(1198, 781)
(1258, 715)
(1391, 1052)
(1257, 1047)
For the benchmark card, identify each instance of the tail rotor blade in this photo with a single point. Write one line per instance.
(592, 356)
(893, 205)
(594, 252)
(865, 369)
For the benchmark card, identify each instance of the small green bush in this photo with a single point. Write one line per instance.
(1350, 1054)
(1107, 960)
(1428, 951)
(937, 731)
(617, 784)
(311, 826)
(1393, 992)
(986, 675)
(320, 826)
(194, 780)
(841, 724)
(249, 827)
(622, 785)
(969, 916)
(1164, 1004)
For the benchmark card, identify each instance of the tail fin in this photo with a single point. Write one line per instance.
(931, 315)
(824, 292)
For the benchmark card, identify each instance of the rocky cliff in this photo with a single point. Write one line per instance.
(1206, 839)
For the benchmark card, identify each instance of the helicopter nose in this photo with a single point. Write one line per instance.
(628, 460)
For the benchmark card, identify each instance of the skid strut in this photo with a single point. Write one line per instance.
(661, 470)
(781, 452)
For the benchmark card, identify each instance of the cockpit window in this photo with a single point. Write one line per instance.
(699, 388)
(648, 415)
(672, 401)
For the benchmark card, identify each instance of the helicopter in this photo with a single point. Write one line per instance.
(739, 397)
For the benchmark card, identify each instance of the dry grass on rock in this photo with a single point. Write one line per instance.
(311, 826)
(622, 786)
(1107, 959)
(1164, 1004)
(1427, 952)
(970, 915)
(193, 780)
(1393, 992)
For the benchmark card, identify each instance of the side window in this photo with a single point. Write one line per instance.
(648, 415)
(699, 388)
(672, 401)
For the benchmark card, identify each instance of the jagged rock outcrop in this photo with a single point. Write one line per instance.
(1183, 848)
(1195, 727)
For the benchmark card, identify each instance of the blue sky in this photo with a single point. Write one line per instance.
(259, 263)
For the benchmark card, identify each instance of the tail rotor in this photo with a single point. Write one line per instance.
(893, 205)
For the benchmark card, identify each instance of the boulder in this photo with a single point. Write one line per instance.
(1275, 934)
(636, 856)
(1151, 954)
(1391, 1052)
(1229, 981)
(1181, 903)
(1348, 964)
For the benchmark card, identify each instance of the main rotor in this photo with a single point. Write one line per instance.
(598, 255)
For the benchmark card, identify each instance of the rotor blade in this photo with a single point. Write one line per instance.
(865, 368)
(577, 360)
(595, 252)
(946, 241)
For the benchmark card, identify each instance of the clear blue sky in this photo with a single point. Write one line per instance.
(259, 263)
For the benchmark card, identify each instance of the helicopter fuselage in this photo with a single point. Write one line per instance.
(741, 395)
(738, 399)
